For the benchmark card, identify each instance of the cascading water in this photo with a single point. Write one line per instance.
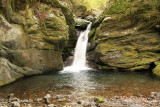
(79, 62)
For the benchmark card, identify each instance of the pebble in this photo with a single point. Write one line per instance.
(51, 105)
(47, 96)
(11, 95)
(15, 104)
(153, 94)
(38, 100)
(61, 99)
(30, 101)
(1, 100)
(86, 104)
(24, 101)
(79, 102)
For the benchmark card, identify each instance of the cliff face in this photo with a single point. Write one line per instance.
(126, 36)
(32, 37)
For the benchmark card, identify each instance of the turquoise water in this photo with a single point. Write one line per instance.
(95, 83)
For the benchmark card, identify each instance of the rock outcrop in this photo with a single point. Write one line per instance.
(33, 35)
(127, 40)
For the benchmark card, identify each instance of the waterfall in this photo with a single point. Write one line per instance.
(79, 62)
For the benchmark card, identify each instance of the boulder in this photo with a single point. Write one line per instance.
(156, 70)
(9, 72)
(81, 23)
(43, 60)
(12, 36)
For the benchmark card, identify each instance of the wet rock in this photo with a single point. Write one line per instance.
(87, 104)
(38, 100)
(153, 94)
(79, 102)
(46, 98)
(24, 101)
(29, 105)
(81, 23)
(50, 105)
(61, 99)
(11, 96)
(2, 100)
(158, 95)
(89, 18)
(15, 104)
(30, 101)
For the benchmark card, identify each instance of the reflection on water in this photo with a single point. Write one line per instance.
(92, 82)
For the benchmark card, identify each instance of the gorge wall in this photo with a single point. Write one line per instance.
(127, 36)
(32, 37)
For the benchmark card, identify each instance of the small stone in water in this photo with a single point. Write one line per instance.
(153, 94)
(51, 105)
(38, 100)
(24, 101)
(11, 95)
(30, 101)
(15, 104)
(79, 102)
(1, 100)
(61, 99)
(47, 96)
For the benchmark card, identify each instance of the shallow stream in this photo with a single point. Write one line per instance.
(84, 83)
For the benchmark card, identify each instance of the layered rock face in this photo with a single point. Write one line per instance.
(32, 37)
(128, 40)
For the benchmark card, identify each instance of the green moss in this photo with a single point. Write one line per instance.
(106, 68)
(156, 70)
(92, 34)
(137, 68)
(123, 60)
(51, 50)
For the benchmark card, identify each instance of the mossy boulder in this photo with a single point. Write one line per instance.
(156, 70)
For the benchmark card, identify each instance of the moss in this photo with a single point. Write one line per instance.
(138, 68)
(106, 67)
(92, 34)
(68, 16)
(156, 70)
